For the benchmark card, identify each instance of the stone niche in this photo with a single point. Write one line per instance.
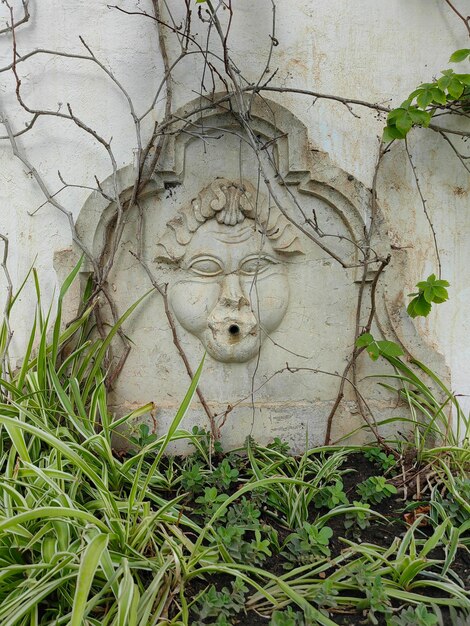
(273, 311)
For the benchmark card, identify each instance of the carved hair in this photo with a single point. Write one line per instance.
(229, 203)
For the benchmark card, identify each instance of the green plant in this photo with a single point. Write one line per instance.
(80, 529)
(414, 616)
(455, 507)
(379, 457)
(307, 544)
(376, 598)
(408, 571)
(204, 443)
(375, 489)
(376, 348)
(210, 501)
(308, 474)
(330, 495)
(288, 617)
(245, 512)
(357, 519)
(219, 605)
(449, 92)
(224, 475)
(192, 478)
(244, 550)
(439, 430)
(279, 446)
(432, 290)
(144, 438)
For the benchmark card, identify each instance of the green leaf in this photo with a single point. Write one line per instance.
(464, 78)
(373, 351)
(419, 307)
(424, 98)
(390, 348)
(444, 82)
(459, 55)
(17, 438)
(105, 345)
(404, 122)
(440, 294)
(54, 512)
(455, 88)
(88, 289)
(364, 340)
(422, 118)
(396, 114)
(428, 293)
(390, 133)
(438, 96)
(86, 573)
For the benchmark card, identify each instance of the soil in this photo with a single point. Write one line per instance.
(378, 532)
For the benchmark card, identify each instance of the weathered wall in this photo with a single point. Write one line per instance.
(369, 50)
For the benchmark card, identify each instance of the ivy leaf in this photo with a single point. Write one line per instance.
(438, 96)
(364, 340)
(389, 348)
(431, 279)
(404, 122)
(377, 348)
(455, 88)
(395, 114)
(424, 97)
(373, 351)
(390, 133)
(419, 307)
(444, 81)
(422, 118)
(428, 293)
(459, 55)
(440, 295)
(431, 290)
(464, 78)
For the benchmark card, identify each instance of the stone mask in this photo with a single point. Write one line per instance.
(231, 285)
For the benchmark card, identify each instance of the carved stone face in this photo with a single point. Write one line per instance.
(233, 289)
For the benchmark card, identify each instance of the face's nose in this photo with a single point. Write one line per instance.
(232, 318)
(232, 294)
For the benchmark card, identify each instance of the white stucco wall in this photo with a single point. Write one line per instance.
(373, 50)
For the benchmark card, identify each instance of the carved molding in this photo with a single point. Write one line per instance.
(304, 172)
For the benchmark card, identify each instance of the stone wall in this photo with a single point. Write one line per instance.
(366, 50)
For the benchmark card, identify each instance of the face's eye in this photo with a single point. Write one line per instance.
(206, 266)
(256, 265)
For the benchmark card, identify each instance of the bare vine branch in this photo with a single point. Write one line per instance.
(425, 209)
(465, 20)
(26, 15)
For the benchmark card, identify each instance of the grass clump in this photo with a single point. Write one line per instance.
(89, 536)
